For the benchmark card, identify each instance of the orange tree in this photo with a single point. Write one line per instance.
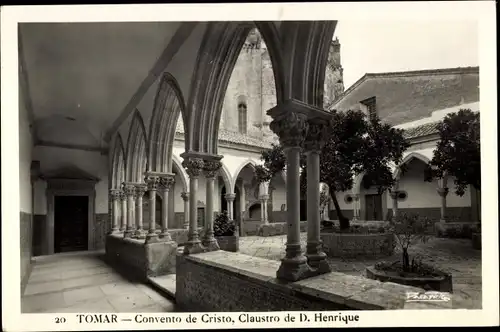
(355, 144)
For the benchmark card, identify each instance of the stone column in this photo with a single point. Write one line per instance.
(312, 145)
(185, 198)
(129, 190)
(230, 205)
(211, 169)
(166, 183)
(291, 128)
(263, 200)
(140, 190)
(123, 199)
(443, 192)
(115, 199)
(355, 209)
(152, 182)
(394, 195)
(194, 167)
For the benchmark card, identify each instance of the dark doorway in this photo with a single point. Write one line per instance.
(303, 210)
(373, 207)
(71, 221)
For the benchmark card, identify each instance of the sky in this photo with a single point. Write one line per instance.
(386, 46)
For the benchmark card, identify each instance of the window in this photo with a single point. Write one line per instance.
(242, 118)
(371, 105)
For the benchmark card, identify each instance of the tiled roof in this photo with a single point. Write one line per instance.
(235, 137)
(408, 96)
(422, 130)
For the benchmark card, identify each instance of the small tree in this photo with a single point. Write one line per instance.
(458, 151)
(355, 144)
(408, 230)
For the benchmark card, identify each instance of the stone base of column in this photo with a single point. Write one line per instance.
(129, 233)
(316, 259)
(165, 236)
(210, 243)
(140, 234)
(186, 225)
(152, 237)
(193, 247)
(294, 266)
(114, 231)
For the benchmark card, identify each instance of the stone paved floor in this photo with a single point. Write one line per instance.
(454, 255)
(83, 282)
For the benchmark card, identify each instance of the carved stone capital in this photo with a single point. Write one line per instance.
(316, 135)
(443, 191)
(152, 181)
(129, 189)
(211, 168)
(122, 196)
(193, 166)
(185, 196)
(167, 182)
(291, 128)
(140, 189)
(114, 194)
(230, 197)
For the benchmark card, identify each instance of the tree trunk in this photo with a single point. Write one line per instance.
(406, 260)
(343, 221)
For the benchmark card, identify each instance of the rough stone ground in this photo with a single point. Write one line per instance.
(83, 282)
(453, 255)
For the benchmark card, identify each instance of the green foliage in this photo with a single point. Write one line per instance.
(408, 230)
(355, 144)
(458, 151)
(222, 225)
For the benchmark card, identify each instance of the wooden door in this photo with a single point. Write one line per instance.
(71, 223)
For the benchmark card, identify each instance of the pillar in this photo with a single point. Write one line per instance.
(115, 201)
(123, 199)
(355, 204)
(166, 183)
(230, 205)
(210, 169)
(185, 198)
(443, 192)
(152, 182)
(263, 200)
(313, 144)
(140, 190)
(129, 190)
(291, 128)
(394, 195)
(194, 167)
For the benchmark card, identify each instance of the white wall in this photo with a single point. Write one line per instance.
(279, 194)
(25, 152)
(53, 158)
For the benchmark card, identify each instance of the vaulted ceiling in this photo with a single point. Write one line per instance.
(80, 77)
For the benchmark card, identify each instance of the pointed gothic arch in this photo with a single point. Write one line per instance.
(408, 159)
(168, 104)
(136, 150)
(117, 162)
(249, 162)
(177, 165)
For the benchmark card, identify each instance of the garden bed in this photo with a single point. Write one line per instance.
(424, 276)
(350, 244)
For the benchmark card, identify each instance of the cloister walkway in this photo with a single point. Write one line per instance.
(83, 282)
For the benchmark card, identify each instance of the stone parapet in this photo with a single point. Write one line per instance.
(139, 260)
(206, 282)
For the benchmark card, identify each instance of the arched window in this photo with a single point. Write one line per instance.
(242, 117)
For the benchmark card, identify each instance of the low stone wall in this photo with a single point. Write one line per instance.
(181, 235)
(352, 244)
(140, 260)
(250, 227)
(222, 281)
(277, 228)
(455, 229)
(229, 243)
